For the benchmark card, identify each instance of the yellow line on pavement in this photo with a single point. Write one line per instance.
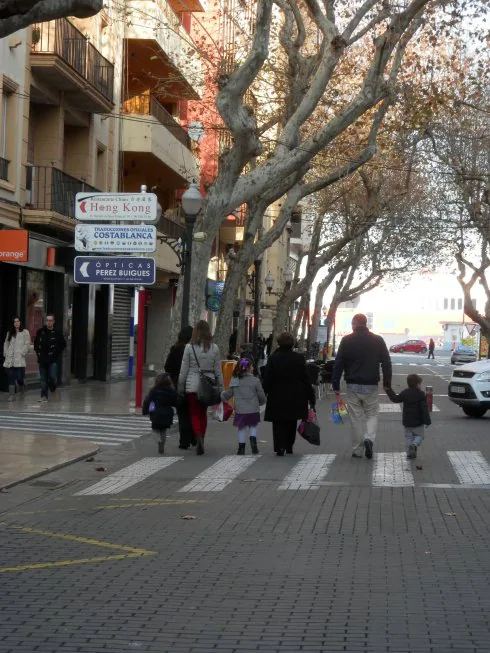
(83, 540)
(129, 551)
(80, 561)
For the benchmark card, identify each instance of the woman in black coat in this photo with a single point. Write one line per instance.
(289, 392)
(172, 367)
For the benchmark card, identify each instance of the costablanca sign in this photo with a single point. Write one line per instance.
(112, 207)
(115, 238)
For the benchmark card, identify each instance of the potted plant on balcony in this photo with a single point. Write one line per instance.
(36, 35)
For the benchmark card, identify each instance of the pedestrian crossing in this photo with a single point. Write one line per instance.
(423, 364)
(107, 430)
(307, 472)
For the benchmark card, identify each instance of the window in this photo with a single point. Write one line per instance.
(445, 303)
(8, 132)
(453, 303)
(460, 304)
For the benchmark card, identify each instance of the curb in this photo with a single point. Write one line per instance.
(92, 452)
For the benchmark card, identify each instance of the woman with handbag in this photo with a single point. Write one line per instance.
(201, 379)
(15, 349)
(289, 391)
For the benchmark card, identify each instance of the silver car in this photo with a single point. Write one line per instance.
(463, 354)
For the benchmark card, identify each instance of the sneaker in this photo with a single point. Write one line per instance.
(43, 399)
(411, 452)
(356, 455)
(368, 448)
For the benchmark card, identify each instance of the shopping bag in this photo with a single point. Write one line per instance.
(310, 431)
(343, 412)
(336, 418)
(151, 407)
(223, 412)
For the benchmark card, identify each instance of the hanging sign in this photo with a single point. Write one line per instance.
(111, 207)
(115, 238)
(214, 293)
(133, 270)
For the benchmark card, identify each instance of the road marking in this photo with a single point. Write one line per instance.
(392, 469)
(311, 468)
(397, 408)
(126, 551)
(128, 476)
(219, 475)
(470, 467)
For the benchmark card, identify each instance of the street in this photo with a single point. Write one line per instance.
(311, 552)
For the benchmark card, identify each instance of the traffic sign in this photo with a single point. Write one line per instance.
(471, 328)
(110, 207)
(131, 270)
(115, 238)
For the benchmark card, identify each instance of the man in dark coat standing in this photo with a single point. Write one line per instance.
(359, 356)
(289, 391)
(49, 345)
(172, 367)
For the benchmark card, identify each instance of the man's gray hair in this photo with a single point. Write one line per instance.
(359, 320)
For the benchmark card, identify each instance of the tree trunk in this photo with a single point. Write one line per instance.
(299, 316)
(317, 313)
(175, 321)
(331, 315)
(201, 255)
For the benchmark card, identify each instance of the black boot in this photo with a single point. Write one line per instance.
(199, 445)
(241, 449)
(253, 444)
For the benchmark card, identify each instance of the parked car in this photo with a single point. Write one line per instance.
(463, 354)
(469, 387)
(416, 346)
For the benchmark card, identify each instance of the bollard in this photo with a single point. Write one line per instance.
(429, 393)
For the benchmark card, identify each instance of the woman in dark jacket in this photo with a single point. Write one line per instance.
(172, 367)
(289, 391)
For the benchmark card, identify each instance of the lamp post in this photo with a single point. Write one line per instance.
(191, 205)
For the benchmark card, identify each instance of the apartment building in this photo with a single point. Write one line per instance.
(85, 105)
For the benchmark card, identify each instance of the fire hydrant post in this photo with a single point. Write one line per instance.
(429, 393)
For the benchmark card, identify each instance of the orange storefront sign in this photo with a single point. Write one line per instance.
(14, 245)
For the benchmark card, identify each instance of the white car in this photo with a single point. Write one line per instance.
(469, 388)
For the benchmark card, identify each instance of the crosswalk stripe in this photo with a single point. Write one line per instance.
(106, 423)
(397, 408)
(470, 467)
(219, 475)
(311, 468)
(391, 469)
(128, 476)
(79, 434)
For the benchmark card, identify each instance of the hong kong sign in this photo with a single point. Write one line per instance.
(109, 207)
(133, 270)
(115, 238)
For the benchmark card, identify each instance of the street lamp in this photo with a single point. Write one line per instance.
(270, 281)
(191, 205)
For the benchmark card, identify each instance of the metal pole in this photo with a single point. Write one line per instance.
(140, 351)
(257, 265)
(131, 335)
(186, 292)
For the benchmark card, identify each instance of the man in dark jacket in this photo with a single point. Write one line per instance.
(359, 356)
(172, 367)
(48, 345)
(289, 391)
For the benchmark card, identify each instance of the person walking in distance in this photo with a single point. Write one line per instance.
(289, 391)
(359, 357)
(415, 412)
(432, 346)
(48, 345)
(158, 405)
(247, 391)
(172, 367)
(200, 355)
(16, 346)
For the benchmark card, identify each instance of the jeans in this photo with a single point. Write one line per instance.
(16, 375)
(49, 377)
(414, 436)
(363, 413)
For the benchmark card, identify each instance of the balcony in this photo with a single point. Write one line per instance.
(66, 60)
(156, 143)
(159, 27)
(147, 105)
(4, 169)
(50, 198)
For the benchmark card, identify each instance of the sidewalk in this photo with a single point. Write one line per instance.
(96, 397)
(27, 455)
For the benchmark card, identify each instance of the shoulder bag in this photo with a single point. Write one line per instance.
(207, 390)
